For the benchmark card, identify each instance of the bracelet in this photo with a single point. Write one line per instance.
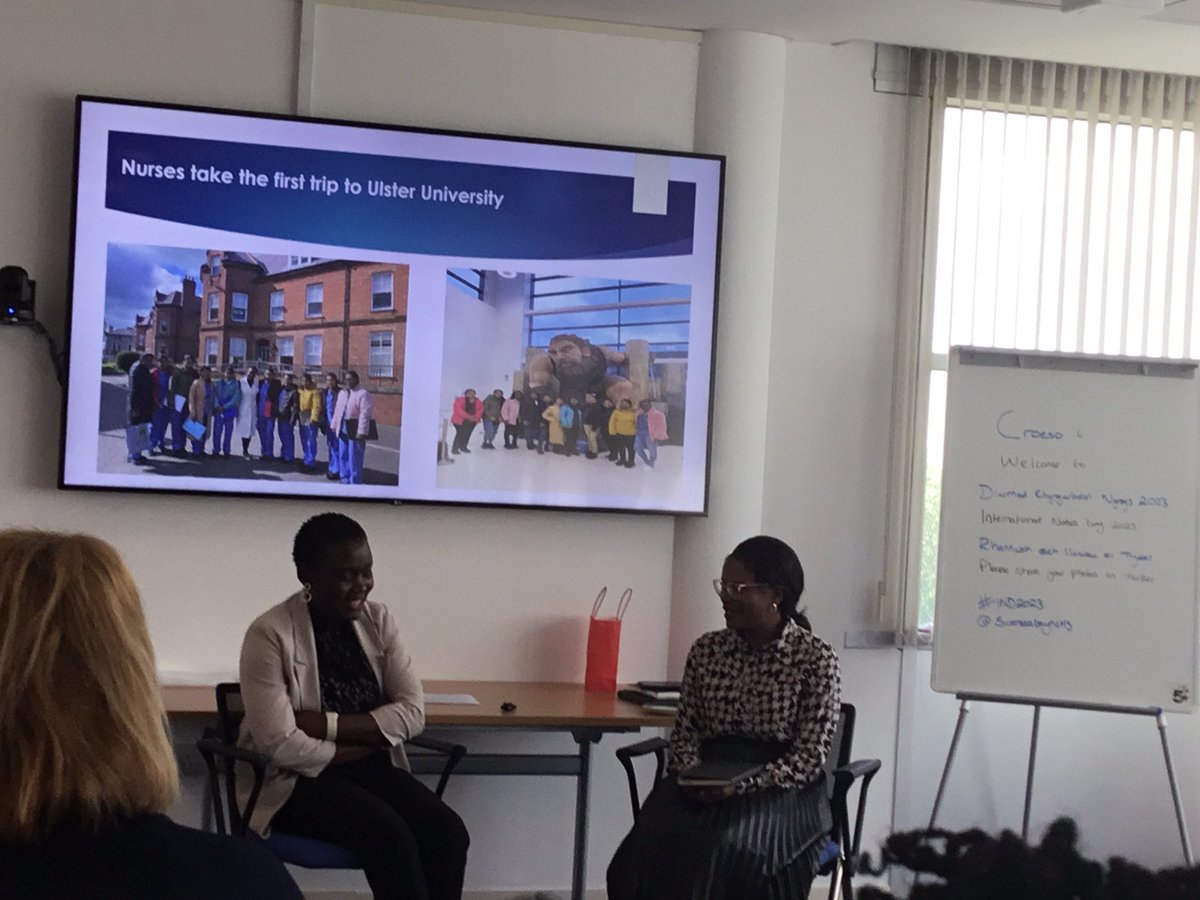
(331, 726)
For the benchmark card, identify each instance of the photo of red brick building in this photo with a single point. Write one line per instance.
(172, 326)
(303, 314)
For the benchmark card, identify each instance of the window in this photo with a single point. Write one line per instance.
(610, 312)
(312, 351)
(214, 265)
(262, 351)
(210, 351)
(1067, 231)
(287, 353)
(240, 304)
(381, 291)
(237, 351)
(276, 306)
(314, 301)
(295, 262)
(163, 326)
(214, 306)
(469, 281)
(380, 362)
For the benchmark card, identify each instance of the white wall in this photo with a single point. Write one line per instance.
(831, 365)
(483, 341)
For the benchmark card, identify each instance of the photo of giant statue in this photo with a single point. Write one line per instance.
(584, 378)
(573, 367)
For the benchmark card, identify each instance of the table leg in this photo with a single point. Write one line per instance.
(585, 739)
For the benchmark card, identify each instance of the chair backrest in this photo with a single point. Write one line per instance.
(842, 744)
(230, 712)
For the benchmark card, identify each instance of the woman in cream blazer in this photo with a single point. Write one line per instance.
(331, 697)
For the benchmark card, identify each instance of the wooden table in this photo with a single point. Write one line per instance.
(540, 706)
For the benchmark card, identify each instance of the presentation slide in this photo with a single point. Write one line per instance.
(265, 305)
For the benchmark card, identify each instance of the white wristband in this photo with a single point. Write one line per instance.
(331, 726)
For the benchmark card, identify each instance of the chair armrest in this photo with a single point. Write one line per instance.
(851, 772)
(627, 754)
(453, 753)
(843, 779)
(218, 747)
(211, 745)
(641, 748)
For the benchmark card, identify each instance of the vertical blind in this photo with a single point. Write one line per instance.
(1060, 212)
(1067, 201)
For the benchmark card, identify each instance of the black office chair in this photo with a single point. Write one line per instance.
(839, 857)
(290, 848)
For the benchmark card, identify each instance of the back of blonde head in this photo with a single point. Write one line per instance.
(82, 728)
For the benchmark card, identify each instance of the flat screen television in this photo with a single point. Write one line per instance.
(443, 274)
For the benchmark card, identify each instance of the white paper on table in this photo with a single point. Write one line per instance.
(452, 699)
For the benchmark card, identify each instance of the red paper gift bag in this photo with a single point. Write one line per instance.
(604, 644)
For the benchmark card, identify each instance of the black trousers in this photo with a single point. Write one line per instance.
(623, 443)
(411, 844)
(462, 434)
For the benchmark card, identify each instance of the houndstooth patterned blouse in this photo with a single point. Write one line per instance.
(787, 691)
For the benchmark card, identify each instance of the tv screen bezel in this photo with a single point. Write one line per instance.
(62, 484)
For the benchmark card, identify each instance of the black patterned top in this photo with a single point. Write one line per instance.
(348, 684)
(788, 690)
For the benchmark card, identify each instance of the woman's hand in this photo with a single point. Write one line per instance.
(709, 793)
(311, 723)
(358, 728)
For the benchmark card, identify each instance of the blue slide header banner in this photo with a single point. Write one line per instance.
(396, 204)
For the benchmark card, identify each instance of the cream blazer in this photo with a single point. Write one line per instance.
(279, 676)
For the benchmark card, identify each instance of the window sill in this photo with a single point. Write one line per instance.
(885, 639)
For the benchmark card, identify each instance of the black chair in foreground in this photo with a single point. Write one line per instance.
(840, 856)
(221, 742)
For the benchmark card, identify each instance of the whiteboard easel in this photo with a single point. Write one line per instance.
(1070, 508)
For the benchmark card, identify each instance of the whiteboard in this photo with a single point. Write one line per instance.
(1067, 551)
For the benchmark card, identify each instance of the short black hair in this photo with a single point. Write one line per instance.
(771, 561)
(320, 532)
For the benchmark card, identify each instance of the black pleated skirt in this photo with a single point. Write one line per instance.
(758, 846)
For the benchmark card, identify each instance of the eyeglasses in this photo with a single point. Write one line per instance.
(735, 588)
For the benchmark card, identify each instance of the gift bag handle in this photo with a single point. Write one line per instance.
(623, 603)
(599, 599)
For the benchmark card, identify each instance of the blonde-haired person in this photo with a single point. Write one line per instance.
(86, 765)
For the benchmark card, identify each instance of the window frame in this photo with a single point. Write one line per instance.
(234, 358)
(391, 292)
(290, 364)
(272, 308)
(320, 341)
(245, 308)
(374, 369)
(308, 301)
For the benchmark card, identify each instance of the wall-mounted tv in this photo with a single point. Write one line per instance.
(269, 305)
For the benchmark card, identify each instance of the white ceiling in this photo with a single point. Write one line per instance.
(1167, 41)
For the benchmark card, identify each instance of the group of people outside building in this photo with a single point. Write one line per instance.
(565, 426)
(196, 408)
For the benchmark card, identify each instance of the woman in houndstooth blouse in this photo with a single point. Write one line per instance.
(765, 689)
